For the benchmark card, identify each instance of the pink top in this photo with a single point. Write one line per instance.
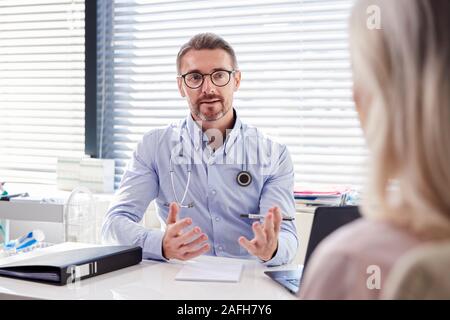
(346, 264)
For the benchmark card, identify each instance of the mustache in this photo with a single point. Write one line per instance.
(209, 97)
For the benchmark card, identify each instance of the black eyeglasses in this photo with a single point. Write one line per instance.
(219, 78)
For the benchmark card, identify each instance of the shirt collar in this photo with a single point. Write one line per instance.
(198, 136)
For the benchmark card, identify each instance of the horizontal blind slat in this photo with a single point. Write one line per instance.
(41, 87)
(296, 83)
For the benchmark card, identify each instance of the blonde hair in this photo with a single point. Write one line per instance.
(405, 68)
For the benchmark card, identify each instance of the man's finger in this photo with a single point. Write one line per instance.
(247, 245)
(203, 249)
(259, 233)
(178, 226)
(191, 246)
(269, 225)
(187, 236)
(268, 220)
(173, 213)
(277, 219)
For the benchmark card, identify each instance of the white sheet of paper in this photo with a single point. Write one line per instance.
(210, 271)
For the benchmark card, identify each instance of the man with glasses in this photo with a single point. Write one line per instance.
(208, 174)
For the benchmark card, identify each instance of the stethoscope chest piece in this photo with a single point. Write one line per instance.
(244, 178)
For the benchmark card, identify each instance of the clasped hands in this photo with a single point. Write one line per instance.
(184, 245)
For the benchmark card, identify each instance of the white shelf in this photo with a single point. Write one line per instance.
(33, 211)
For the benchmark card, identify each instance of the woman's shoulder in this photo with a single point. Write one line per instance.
(368, 234)
(339, 266)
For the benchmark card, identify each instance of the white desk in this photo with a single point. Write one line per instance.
(153, 280)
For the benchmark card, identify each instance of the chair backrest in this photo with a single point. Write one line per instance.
(421, 274)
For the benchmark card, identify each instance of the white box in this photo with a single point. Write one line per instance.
(68, 173)
(97, 174)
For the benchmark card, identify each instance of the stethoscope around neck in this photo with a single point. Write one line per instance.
(243, 178)
(189, 173)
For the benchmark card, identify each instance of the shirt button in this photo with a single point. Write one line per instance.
(217, 218)
(220, 248)
(213, 191)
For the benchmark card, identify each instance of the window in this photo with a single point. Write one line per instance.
(41, 87)
(296, 81)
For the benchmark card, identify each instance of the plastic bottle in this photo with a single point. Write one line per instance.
(80, 223)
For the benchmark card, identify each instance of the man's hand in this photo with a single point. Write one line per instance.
(265, 243)
(181, 245)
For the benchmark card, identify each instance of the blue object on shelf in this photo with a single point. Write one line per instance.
(26, 241)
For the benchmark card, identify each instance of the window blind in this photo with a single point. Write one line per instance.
(296, 81)
(41, 87)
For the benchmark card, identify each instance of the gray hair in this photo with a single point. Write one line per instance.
(206, 41)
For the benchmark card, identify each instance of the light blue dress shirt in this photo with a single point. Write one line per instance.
(218, 199)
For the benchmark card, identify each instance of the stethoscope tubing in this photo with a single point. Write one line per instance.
(243, 178)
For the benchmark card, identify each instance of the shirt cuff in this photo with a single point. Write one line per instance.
(153, 245)
(283, 254)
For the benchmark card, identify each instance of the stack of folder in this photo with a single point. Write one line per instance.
(64, 263)
(306, 201)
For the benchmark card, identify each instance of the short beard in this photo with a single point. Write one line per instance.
(216, 117)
